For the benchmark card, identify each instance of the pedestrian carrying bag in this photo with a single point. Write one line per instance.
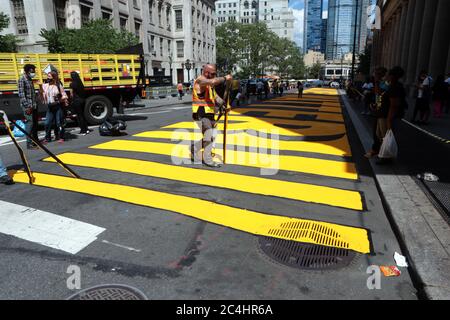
(389, 148)
(17, 133)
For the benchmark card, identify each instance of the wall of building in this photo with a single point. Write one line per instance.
(275, 13)
(413, 35)
(154, 21)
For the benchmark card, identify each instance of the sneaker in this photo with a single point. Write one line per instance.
(213, 164)
(6, 180)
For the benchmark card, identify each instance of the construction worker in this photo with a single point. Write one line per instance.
(206, 104)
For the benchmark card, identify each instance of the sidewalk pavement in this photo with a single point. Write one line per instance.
(422, 230)
(438, 127)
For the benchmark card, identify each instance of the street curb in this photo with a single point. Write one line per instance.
(160, 105)
(423, 233)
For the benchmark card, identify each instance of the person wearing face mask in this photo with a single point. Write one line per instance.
(205, 105)
(380, 88)
(55, 98)
(28, 103)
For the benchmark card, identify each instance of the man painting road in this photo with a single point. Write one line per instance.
(205, 105)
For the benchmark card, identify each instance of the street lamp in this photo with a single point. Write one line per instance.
(188, 66)
(354, 42)
(170, 64)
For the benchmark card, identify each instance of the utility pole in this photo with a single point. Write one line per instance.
(354, 41)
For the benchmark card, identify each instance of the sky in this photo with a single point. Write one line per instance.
(298, 6)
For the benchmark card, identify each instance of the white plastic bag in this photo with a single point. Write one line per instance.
(389, 148)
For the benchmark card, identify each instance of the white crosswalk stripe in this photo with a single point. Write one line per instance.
(46, 228)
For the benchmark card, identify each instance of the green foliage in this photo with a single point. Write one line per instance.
(256, 50)
(97, 36)
(364, 61)
(8, 42)
(314, 71)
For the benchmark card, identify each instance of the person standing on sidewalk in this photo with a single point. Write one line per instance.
(28, 103)
(423, 98)
(180, 90)
(56, 99)
(380, 88)
(205, 105)
(300, 89)
(393, 106)
(4, 177)
(440, 90)
(447, 99)
(368, 93)
(78, 97)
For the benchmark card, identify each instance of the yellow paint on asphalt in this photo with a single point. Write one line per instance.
(281, 227)
(256, 185)
(284, 114)
(306, 128)
(338, 147)
(266, 160)
(273, 106)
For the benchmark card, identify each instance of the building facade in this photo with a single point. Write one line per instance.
(313, 26)
(413, 35)
(275, 13)
(343, 15)
(312, 57)
(171, 31)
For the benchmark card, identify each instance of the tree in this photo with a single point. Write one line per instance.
(256, 50)
(287, 59)
(97, 36)
(365, 61)
(229, 45)
(314, 71)
(8, 42)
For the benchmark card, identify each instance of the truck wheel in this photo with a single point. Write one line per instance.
(98, 109)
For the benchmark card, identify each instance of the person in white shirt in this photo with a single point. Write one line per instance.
(55, 97)
(368, 91)
(423, 100)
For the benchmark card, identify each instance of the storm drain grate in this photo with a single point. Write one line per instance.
(441, 191)
(304, 255)
(109, 292)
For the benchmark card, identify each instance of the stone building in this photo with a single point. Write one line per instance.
(171, 31)
(275, 13)
(414, 34)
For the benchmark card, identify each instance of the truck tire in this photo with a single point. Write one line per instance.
(98, 109)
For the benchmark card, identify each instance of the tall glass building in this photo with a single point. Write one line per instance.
(312, 39)
(342, 17)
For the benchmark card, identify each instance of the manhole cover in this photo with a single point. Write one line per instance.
(109, 292)
(304, 255)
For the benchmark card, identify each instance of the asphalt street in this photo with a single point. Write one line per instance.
(143, 216)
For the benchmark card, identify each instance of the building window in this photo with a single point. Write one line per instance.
(179, 19)
(161, 43)
(85, 15)
(150, 10)
(123, 23)
(169, 47)
(60, 10)
(180, 49)
(106, 14)
(168, 16)
(136, 4)
(19, 16)
(160, 20)
(137, 29)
